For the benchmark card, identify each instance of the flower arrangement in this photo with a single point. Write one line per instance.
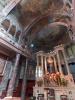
(55, 79)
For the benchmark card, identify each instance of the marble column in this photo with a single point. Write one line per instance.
(45, 65)
(13, 78)
(71, 80)
(59, 63)
(23, 92)
(37, 61)
(18, 75)
(66, 63)
(42, 61)
(5, 78)
(55, 65)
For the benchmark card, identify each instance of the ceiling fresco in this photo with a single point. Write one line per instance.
(41, 6)
(36, 17)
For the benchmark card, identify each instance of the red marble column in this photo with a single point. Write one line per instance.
(13, 78)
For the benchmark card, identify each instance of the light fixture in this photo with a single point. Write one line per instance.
(32, 45)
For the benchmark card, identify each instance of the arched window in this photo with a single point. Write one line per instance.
(12, 30)
(17, 35)
(6, 24)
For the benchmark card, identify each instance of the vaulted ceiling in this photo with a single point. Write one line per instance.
(41, 6)
(44, 21)
(37, 16)
(31, 9)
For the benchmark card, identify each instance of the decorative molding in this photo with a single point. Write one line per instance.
(9, 7)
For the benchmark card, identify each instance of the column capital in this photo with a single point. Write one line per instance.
(40, 53)
(59, 63)
(59, 47)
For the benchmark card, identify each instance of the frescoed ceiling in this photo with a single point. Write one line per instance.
(36, 17)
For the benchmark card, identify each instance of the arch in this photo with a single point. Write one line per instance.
(38, 19)
(12, 30)
(6, 24)
(59, 23)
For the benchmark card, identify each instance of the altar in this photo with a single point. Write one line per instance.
(52, 83)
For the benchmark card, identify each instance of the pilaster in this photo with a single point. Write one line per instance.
(59, 63)
(24, 81)
(45, 65)
(66, 63)
(13, 78)
(55, 64)
(5, 78)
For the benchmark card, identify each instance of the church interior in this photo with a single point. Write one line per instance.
(37, 49)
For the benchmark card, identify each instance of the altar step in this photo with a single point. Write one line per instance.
(11, 98)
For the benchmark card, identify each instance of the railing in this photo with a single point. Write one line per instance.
(8, 37)
(4, 34)
(12, 41)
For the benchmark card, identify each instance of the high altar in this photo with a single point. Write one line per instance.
(53, 77)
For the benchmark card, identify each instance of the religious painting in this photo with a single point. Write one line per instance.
(40, 96)
(2, 66)
(63, 97)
